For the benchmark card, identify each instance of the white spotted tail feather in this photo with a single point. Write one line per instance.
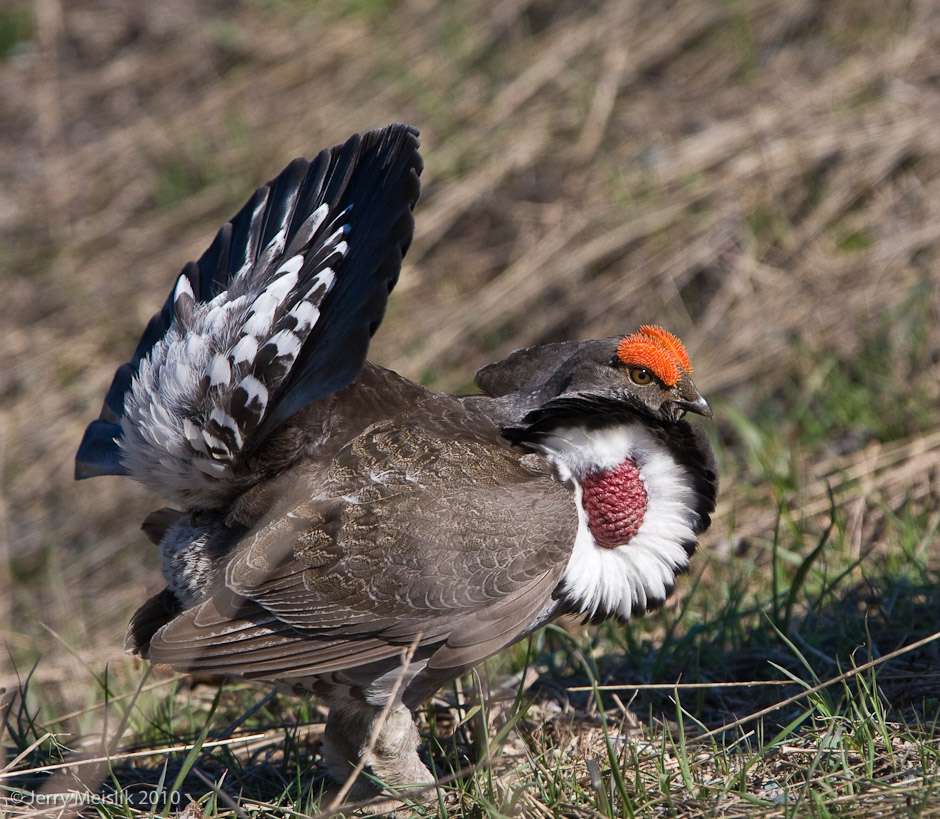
(276, 314)
(206, 386)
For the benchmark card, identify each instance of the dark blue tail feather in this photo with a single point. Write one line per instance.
(376, 174)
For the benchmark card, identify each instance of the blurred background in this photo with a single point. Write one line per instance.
(760, 176)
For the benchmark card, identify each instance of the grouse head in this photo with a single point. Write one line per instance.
(646, 374)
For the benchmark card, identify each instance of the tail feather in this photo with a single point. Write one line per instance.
(277, 313)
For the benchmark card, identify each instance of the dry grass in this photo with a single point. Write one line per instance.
(762, 176)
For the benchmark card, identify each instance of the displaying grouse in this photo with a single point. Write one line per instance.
(333, 515)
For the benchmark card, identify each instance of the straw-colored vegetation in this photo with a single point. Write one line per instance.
(761, 176)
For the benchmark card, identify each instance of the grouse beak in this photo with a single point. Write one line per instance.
(689, 399)
(698, 405)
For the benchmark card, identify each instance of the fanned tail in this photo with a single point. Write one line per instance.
(276, 314)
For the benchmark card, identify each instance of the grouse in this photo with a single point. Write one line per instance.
(342, 531)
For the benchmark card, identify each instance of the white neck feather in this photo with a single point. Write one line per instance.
(641, 574)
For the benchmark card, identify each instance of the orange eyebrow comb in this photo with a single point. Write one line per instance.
(657, 350)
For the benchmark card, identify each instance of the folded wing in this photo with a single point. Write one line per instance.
(464, 561)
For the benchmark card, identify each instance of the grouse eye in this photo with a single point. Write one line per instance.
(640, 376)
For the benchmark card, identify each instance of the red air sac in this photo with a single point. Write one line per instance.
(615, 504)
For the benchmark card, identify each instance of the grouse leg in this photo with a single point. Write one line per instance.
(393, 758)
